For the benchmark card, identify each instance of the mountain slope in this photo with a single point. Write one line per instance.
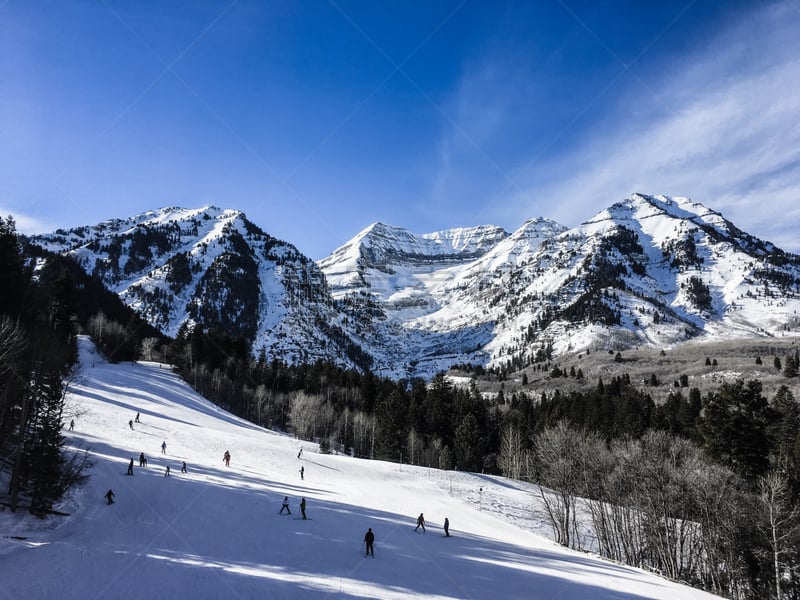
(649, 270)
(214, 268)
(216, 532)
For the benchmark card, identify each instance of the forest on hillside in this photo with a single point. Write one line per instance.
(703, 487)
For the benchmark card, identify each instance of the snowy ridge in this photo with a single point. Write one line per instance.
(215, 532)
(648, 270)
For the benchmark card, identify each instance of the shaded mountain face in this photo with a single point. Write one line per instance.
(650, 270)
(214, 268)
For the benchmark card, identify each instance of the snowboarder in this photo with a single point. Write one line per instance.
(166, 471)
(285, 505)
(130, 424)
(72, 425)
(420, 523)
(136, 420)
(303, 507)
(302, 470)
(130, 468)
(299, 454)
(183, 468)
(369, 540)
(164, 447)
(110, 496)
(226, 458)
(142, 460)
(446, 527)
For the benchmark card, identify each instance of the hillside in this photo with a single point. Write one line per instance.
(729, 360)
(215, 532)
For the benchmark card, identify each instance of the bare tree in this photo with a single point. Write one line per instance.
(781, 520)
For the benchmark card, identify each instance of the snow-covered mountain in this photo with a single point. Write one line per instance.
(179, 267)
(649, 270)
(216, 532)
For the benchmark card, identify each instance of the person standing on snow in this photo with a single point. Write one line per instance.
(72, 425)
(303, 507)
(164, 447)
(302, 470)
(166, 471)
(142, 460)
(446, 527)
(110, 496)
(285, 505)
(136, 420)
(369, 540)
(130, 468)
(226, 458)
(420, 523)
(183, 468)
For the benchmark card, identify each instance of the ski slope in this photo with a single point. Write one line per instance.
(215, 532)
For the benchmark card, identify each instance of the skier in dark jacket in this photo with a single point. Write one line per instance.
(369, 540)
(303, 507)
(142, 460)
(446, 527)
(130, 468)
(110, 496)
(420, 523)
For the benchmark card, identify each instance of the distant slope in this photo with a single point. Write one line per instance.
(216, 532)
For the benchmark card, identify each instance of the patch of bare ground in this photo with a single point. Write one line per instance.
(659, 371)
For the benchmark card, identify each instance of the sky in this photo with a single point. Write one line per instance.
(318, 118)
(216, 531)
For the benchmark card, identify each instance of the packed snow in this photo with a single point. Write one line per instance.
(216, 531)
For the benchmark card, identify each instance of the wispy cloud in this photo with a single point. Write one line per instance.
(25, 223)
(723, 127)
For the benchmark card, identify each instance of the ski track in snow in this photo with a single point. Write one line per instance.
(216, 532)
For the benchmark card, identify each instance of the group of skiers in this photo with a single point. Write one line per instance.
(369, 536)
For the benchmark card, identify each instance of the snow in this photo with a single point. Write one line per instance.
(216, 532)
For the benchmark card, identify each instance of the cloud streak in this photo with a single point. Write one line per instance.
(723, 130)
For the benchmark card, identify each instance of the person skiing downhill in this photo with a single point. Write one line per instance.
(142, 460)
(183, 468)
(130, 468)
(420, 523)
(369, 540)
(285, 505)
(110, 496)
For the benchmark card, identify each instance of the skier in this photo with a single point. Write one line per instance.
(446, 527)
(420, 523)
(369, 540)
(130, 424)
(226, 458)
(303, 507)
(130, 468)
(142, 460)
(110, 496)
(299, 454)
(302, 470)
(183, 468)
(166, 471)
(136, 420)
(285, 505)
(164, 447)
(72, 425)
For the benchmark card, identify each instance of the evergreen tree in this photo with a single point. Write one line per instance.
(734, 427)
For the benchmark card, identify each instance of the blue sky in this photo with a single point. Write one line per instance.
(319, 117)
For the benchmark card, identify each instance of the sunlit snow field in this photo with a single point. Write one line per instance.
(216, 531)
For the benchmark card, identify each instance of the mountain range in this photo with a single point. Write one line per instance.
(646, 271)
